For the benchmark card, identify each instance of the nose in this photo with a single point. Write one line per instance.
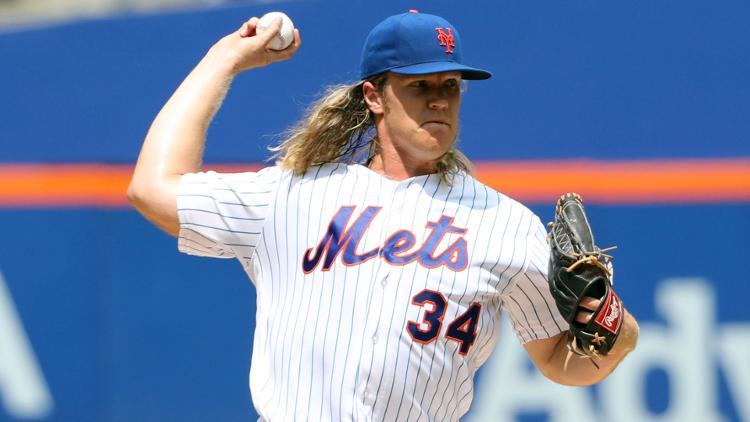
(438, 103)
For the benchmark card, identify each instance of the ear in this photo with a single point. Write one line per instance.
(373, 98)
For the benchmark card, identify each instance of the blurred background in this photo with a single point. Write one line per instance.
(642, 107)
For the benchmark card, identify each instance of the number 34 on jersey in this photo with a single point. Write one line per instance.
(462, 330)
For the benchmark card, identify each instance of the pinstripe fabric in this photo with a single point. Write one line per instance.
(376, 299)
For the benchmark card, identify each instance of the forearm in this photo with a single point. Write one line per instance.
(567, 368)
(174, 143)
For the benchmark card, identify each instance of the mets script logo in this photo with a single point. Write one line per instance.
(398, 249)
(446, 39)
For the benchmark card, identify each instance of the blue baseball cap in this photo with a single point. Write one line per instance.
(415, 44)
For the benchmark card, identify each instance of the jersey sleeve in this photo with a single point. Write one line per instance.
(222, 215)
(529, 303)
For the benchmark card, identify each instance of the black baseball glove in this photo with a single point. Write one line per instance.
(579, 269)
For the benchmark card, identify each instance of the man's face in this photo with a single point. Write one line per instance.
(421, 113)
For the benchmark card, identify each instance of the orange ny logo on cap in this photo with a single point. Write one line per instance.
(446, 39)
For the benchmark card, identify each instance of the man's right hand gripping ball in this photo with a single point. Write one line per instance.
(578, 270)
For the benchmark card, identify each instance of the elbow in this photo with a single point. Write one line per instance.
(132, 193)
(156, 202)
(138, 197)
(135, 194)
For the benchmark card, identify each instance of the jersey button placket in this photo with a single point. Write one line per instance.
(387, 287)
(380, 309)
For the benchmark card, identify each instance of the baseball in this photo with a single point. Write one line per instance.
(285, 36)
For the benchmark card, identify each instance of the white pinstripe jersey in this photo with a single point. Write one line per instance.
(376, 299)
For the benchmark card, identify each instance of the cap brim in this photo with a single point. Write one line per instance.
(467, 72)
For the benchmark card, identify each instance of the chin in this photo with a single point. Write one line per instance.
(440, 145)
(439, 137)
(434, 151)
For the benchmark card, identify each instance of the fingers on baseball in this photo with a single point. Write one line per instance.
(248, 29)
(277, 55)
(586, 308)
(267, 35)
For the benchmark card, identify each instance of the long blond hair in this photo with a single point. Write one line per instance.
(339, 128)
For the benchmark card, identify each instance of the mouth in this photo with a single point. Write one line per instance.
(436, 122)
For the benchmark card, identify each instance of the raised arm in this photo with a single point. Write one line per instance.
(174, 143)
